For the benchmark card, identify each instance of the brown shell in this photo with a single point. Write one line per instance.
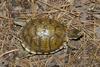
(43, 36)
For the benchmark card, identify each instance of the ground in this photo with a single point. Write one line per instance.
(80, 14)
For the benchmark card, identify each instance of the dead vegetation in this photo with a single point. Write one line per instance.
(81, 14)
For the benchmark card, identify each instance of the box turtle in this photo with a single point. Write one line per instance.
(44, 36)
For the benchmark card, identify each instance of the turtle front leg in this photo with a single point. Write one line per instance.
(69, 46)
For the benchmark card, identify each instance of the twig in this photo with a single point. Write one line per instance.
(52, 6)
(6, 18)
(8, 52)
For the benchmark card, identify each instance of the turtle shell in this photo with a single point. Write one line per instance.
(43, 36)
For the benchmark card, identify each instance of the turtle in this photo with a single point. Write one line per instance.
(43, 36)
